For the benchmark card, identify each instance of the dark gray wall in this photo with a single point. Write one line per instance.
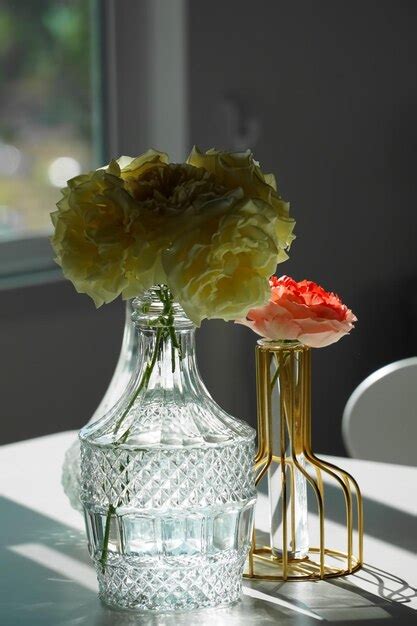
(57, 355)
(333, 86)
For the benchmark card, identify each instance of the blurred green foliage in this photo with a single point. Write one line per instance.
(44, 63)
(46, 102)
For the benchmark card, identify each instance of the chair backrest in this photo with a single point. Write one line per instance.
(380, 417)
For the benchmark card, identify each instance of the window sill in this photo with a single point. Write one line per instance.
(27, 261)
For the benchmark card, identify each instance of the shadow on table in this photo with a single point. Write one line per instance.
(47, 580)
(382, 521)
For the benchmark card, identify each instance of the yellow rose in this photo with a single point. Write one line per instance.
(165, 188)
(213, 229)
(168, 196)
(95, 226)
(240, 170)
(221, 264)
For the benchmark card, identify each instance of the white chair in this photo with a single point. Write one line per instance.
(380, 417)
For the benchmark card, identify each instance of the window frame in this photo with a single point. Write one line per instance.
(139, 100)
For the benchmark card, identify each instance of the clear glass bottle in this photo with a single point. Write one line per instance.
(287, 437)
(167, 480)
(71, 472)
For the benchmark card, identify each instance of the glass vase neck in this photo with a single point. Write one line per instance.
(166, 340)
(281, 344)
(156, 308)
(165, 403)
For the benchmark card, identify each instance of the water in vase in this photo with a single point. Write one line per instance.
(188, 552)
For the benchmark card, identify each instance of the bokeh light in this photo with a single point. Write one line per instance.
(62, 169)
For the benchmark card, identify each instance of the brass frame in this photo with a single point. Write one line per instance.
(295, 401)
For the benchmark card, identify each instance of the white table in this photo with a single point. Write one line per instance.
(46, 578)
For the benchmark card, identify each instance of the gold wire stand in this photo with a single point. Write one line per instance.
(293, 374)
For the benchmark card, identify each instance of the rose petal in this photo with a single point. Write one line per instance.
(301, 311)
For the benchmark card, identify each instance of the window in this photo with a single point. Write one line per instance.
(46, 113)
(62, 64)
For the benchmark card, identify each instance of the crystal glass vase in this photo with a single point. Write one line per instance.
(167, 481)
(71, 472)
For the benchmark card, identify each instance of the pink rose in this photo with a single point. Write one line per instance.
(301, 311)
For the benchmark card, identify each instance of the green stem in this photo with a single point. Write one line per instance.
(285, 381)
(142, 385)
(275, 377)
(165, 330)
(105, 550)
(278, 370)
